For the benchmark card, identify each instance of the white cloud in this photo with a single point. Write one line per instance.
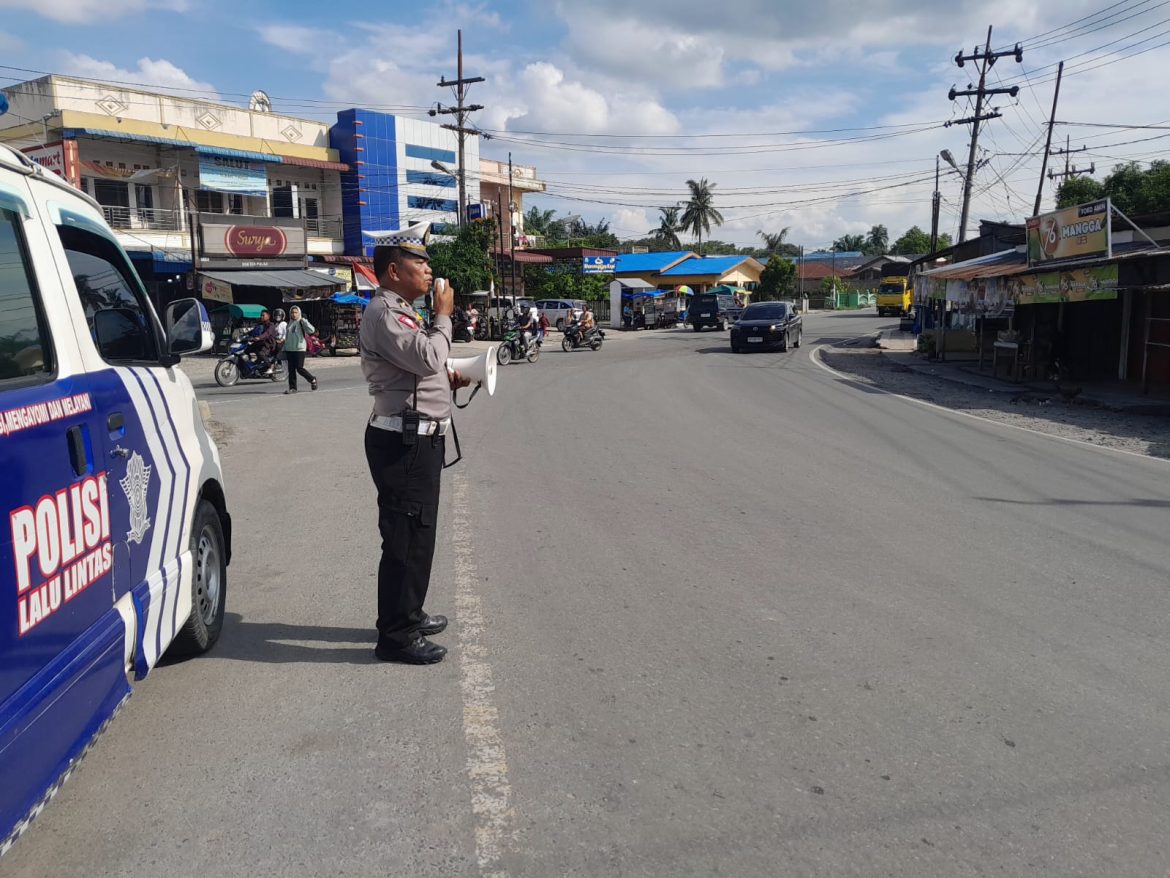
(9, 43)
(629, 222)
(155, 73)
(86, 11)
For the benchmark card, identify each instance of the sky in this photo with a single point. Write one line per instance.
(822, 118)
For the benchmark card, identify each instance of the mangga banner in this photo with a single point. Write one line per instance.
(1074, 285)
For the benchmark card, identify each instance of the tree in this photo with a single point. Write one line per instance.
(1134, 190)
(700, 211)
(776, 281)
(876, 241)
(773, 241)
(915, 242)
(537, 221)
(466, 261)
(849, 243)
(668, 228)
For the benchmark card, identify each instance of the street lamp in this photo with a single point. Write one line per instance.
(442, 168)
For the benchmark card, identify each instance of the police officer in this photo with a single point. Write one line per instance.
(404, 362)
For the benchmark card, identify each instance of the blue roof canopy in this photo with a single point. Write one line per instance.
(715, 266)
(640, 263)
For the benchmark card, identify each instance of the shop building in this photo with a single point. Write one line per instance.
(158, 164)
(672, 269)
(1094, 307)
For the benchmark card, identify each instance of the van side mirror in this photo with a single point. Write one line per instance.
(188, 328)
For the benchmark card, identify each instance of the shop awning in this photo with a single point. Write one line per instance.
(314, 163)
(284, 279)
(994, 265)
(524, 256)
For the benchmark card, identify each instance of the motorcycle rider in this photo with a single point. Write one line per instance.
(587, 322)
(526, 327)
(262, 343)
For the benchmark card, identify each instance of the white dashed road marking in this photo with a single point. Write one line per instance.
(487, 765)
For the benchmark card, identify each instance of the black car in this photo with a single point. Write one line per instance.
(767, 325)
(712, 309)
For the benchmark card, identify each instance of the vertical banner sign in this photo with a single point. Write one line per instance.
(1070, 233)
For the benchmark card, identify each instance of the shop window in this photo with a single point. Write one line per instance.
(111, 193)
(219, 202)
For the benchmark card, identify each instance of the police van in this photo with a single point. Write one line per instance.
(114, 533)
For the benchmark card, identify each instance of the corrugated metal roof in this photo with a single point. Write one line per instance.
(707, 266)
(293, 278)
(993, 265)
(641, 263)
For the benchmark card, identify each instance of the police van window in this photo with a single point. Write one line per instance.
(119, 321)
(26, 353)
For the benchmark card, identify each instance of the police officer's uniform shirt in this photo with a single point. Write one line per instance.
(396, 348)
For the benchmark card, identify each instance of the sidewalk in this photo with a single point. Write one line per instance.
(899, 348)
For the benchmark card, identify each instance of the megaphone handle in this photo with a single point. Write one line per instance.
(455, 398)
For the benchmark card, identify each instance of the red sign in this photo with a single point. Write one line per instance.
(255, 241)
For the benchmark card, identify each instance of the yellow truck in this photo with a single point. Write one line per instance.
(894, 295)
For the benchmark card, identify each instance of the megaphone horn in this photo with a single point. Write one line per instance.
(481, 369)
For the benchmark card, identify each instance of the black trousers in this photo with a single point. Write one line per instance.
(296, 363)
(407, 478)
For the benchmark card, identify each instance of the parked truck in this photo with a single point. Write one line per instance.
(894, 295)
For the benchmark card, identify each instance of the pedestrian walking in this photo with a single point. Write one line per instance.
(295, 346)
(405, 363)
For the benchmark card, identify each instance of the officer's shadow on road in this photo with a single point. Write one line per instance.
(282, 643)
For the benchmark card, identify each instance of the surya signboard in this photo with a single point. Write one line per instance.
(228, 241)
(1070, 233)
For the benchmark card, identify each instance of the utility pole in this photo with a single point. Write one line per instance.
(1048, 143)
(984, 59)
(936, 204)
(459, 111)
(1072, 171)
(511, 230)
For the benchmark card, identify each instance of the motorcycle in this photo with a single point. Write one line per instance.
(479, 328)
(574, 338)
(512, 348)
(239, 365)
(461, 326)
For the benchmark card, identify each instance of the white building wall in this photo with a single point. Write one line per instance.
(430, 134)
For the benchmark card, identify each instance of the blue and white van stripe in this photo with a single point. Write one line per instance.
(178, 546)
(161, 599)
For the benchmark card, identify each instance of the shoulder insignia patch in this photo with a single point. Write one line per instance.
(408, 322)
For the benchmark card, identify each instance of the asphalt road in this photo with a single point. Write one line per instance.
(711, 615)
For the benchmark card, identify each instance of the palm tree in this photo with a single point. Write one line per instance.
(773, 241)
(668, 228)
(877, 240)
(700, 211)
(849, 243)
(537, 221)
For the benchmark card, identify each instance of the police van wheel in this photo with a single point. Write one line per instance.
(226, 374)
(208, 584)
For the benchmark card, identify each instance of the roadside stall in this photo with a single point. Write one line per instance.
(337, 319)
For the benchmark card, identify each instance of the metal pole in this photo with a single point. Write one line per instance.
(460, 91)
(967, 183)
(1048, 142)
(500, 214)
(511, 230)
(934, 210)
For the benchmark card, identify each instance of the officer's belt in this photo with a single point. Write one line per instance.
(426, 426)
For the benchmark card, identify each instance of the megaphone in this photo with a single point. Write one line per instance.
(481, 370)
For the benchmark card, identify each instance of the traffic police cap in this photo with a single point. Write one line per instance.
(412, 239)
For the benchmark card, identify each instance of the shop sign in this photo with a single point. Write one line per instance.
(255, 241)
(59, 158)
(240, 176)
(598, 264)
(215, 291)
(1075, 285)
(251, 242)
(342, 274)
(1070, 233)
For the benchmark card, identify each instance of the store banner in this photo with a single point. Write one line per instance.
(1075, 285)
(232, 241)
(59, 157)
(215, 291)
(927, 288)
(598, 264)
(342, 274)
(239, 176)
(1070, 233)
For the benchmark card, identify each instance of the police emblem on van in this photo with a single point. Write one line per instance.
(136, 485)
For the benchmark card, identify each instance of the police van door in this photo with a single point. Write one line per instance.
(147, 458)
(62, 647)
